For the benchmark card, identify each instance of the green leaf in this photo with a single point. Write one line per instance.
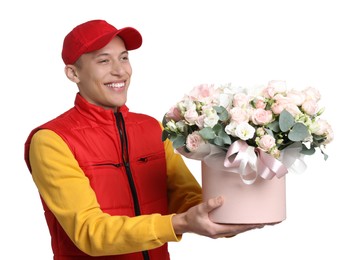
(217, 129)
(218, 141)
(207, 133)
(269, 131)
(178, 141)
(307, 151)
(319, 137)
(220, 137)
(286, 121)
(219, 109)
(298, 133)
(274, 126)
(225, 137)
(325, 156)
(164, 135)
(222, 113)
(164, 121)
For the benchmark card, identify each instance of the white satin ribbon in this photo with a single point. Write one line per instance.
(249, 162)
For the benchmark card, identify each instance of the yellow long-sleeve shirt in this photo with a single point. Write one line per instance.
(68, 194)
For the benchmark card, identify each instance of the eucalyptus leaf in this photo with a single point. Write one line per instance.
(274, 126)
(164, 121)
(307, 151)
(219, 109)
(164, 135)
(179, 141)
(171, 135)
(325, 156)
(207, 133)
(269, 131)
(286, 121)
(222, 113)
(217, 129)
(319, 137)
(218, 141)
(298, 133)
(225, 137)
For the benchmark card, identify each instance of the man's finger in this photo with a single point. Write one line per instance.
(214, 203)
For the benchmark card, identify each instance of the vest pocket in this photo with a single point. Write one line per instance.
(117, 165)
(150, 157)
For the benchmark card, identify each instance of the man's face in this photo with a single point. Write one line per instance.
(104, 75)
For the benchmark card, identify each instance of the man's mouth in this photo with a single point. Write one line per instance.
(115, 85)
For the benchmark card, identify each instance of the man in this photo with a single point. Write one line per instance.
(109, 186)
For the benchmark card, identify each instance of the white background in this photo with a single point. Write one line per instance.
(307, 43)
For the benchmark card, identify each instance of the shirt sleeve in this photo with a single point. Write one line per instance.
(183, 189)
(68, 194)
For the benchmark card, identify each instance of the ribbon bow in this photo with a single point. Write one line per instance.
(251, 162)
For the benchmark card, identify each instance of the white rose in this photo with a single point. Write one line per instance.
(171, 125)
(244, 131)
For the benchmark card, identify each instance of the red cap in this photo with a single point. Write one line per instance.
(94, 35)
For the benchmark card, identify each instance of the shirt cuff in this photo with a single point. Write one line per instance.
(165, 230)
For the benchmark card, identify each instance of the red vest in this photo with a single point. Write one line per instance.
(123, 157)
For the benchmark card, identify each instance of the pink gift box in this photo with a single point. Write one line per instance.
(263, 201)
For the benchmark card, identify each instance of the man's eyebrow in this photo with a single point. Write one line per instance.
(108, 54)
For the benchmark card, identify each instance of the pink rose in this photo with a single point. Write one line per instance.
(240, 100)
(280, 103)
(202, 92)
(259, 102)
(200, 121)
(323, 128)
(261, 116)
(293, 109)
(286, 103)
(266, 142)
(174, 113)
(277, 108)
(310, 107)
(274, 87)
(312, 93)
(239, 115)
(193, 141)
(191, 116)
(297, 97)
(329, 135)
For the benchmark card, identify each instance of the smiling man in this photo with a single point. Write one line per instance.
(110, 188)
(103, 76)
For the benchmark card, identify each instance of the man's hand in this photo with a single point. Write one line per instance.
(196, 220)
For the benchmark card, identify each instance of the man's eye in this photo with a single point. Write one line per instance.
(103, 61)
(124, 58)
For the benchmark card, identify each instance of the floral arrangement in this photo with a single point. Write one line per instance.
(270, 118)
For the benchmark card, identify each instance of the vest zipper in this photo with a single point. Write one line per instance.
(125, 156)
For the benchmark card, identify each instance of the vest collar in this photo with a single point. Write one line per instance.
(97, 113)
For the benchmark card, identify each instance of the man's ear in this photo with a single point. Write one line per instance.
(71, 73)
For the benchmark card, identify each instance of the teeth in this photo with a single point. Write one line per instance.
(115, 85)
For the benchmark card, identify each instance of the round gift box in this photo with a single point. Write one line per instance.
(263, 201)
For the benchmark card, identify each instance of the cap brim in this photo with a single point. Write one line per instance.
(131, 37)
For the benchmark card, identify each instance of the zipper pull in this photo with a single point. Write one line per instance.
(143, 159)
